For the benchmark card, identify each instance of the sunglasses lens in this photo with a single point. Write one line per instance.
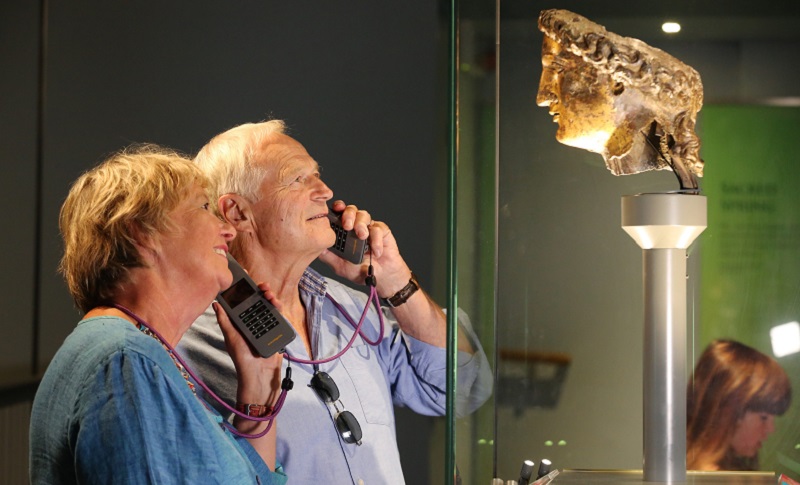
(348, 427)
(326, 389)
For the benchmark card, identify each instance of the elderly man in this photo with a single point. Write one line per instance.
(269, 188)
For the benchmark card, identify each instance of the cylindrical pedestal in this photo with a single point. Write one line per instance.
(664, 365)
(664, 225)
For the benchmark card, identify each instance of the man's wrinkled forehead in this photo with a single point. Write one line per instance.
(283, 157)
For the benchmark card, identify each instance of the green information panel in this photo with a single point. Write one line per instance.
(750, 253)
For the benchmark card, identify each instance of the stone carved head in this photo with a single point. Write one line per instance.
(617, 96)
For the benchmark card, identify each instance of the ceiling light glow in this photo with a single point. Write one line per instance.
(785, 339)
(671, 27)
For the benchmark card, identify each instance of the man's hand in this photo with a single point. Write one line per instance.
(390, 270)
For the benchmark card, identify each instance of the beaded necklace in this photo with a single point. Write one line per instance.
(146, 330)
(286, 384)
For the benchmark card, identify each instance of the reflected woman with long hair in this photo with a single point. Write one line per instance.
(732, 402)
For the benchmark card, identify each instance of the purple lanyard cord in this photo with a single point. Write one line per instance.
(285, 385)
(373, 299)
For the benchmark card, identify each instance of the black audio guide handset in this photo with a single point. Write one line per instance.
(347, 245)
(253, 315)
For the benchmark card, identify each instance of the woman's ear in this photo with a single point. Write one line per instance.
(236, 210)
(147, 245)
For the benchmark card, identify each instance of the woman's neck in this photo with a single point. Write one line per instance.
(162, 308)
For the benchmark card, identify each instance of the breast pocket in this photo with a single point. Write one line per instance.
(363, 367)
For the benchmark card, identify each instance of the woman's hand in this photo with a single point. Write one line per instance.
(259, 380)
(258, 377)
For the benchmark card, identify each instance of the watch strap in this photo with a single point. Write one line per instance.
(255, 410)
(404, 293)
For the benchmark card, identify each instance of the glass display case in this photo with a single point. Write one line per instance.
(537, 252)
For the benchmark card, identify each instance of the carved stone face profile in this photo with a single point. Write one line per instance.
(616, 96)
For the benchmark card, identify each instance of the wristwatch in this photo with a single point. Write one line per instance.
(404, 294)
(255, 410)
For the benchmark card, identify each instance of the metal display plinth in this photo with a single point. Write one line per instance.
(664, 225)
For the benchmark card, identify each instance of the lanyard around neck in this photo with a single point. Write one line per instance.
(372, 299)
(285, 385)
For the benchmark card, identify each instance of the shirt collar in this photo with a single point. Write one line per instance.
(313, 282)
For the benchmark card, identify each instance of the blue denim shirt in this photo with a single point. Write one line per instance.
(113, 408)
(400, 371)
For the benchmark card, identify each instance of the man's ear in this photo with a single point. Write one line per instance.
(236, 210)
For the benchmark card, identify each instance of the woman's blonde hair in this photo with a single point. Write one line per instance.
(124, 200)
(730, 379)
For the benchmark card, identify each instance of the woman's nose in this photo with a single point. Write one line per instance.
(228, 232)
(769, 426)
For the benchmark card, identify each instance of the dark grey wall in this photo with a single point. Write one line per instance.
(358, 82)
(19, 26)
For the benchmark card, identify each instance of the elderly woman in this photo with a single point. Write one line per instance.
(144, 255)
(617, 96)
(733, 399)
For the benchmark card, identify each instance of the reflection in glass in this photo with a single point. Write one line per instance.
(732, 400)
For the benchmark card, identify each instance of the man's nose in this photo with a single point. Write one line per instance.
(322, 190)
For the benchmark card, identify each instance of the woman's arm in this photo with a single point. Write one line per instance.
(259, 381)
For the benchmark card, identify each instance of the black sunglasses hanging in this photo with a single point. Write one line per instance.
(326, 389)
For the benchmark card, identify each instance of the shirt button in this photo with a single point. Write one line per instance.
(360, 482)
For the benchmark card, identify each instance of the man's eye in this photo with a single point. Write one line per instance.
(205, 206)
(303, 179)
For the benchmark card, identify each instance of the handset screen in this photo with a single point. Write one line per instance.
(253, 315)
(238, 293)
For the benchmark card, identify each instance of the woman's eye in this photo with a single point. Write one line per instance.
(205, 206)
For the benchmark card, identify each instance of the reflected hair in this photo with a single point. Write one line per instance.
(110, 209)
(730, 379)
(228, 160)
(631, 62)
